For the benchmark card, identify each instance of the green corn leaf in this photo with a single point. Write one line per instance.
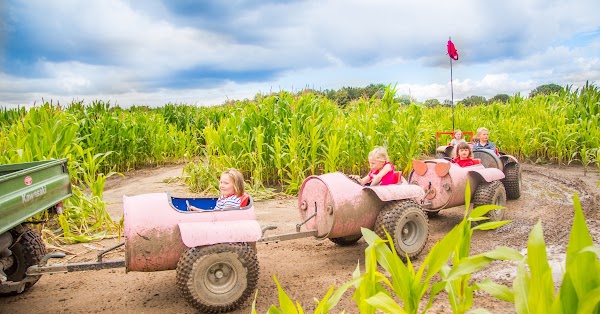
(591, 248)
(436, 288)
(274, 310)
(521, 289)
(580, 266)
(467, 266)
(254, 302)
(542, 286)
(590, 302)
(567, 298)
(504, 253)
(491, 225)
(482, 210)
(478, 218)
(385, 303)
(440, 253)
(331, 300)
(285, 303)
(496, 290)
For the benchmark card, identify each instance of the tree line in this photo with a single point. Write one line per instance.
(345, 95)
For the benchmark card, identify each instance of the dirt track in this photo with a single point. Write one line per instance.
(306, 268)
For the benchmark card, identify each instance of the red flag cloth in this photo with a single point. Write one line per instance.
(452, 52)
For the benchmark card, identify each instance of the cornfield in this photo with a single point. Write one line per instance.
(278, 140)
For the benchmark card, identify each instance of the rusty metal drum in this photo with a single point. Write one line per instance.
(337, 207)
(340, 206)
(445, 183)
(157, 233)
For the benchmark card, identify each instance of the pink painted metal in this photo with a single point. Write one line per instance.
(448, 190)
(396, 191)
(206, 233)
(156, 234)
(342, 206)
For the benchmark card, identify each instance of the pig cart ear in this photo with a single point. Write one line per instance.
(420, 167)
(442, 168)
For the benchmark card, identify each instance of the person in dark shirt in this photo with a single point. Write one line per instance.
(482, 140)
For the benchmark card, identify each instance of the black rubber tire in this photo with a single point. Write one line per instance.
(346, 241)
(27, 251)
(408, 225)
(512, 181)
(432, 214)
(441, 156)
(218, 278)
(490, 193)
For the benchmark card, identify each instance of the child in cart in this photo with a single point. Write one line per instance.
(231, 186)
(464, 155)
(382, 170)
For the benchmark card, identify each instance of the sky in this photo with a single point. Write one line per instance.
(153, 52)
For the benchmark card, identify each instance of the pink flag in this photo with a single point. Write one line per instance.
(452, 52)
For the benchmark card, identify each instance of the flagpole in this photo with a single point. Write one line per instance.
(451, 91)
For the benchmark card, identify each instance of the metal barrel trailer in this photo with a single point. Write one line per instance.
(508, 164)
(335, 207)
(212, 251)
(445, 183)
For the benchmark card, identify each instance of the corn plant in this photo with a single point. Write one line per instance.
(281, 138)
(456, 278)
(533, 288)
(287, 306)
(332, 155)
(201, 177)
(85, 217)
(278, 157)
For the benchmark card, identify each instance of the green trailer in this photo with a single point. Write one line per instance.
(27, 189)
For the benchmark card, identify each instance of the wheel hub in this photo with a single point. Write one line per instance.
(409, 233)
(220, 278)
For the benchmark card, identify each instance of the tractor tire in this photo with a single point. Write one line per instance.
(490, 193)
(27, 251)
(408, 226)
(512, 181)
(218, 278)
(346, 241)
(432, 214)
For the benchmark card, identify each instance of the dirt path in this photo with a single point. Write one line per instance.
(306, 268)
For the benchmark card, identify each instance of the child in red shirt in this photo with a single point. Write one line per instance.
(464, 155)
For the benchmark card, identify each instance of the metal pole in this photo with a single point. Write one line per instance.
(452, 91)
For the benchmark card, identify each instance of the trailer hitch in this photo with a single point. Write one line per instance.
(427, 192)
(298, 226)
(41, 268)
(108, 250)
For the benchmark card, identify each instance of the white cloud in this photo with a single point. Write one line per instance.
(129, 51)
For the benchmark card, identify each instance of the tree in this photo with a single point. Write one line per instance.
(376, 90)
(546, 89)
(503, 98)
(473, 101)
(431, 102)
(404, 99)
